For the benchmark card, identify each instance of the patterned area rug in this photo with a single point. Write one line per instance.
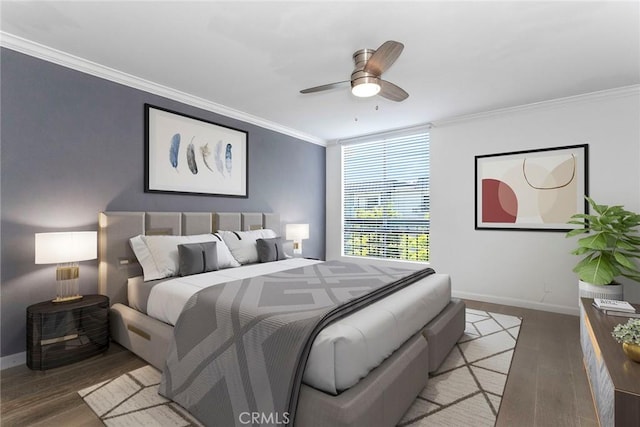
(466, 390)
(132, 400)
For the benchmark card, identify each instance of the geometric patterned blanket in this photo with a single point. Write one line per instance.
(239, 349)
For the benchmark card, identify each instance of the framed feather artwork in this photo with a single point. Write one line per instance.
(531, 190)
(188, 155)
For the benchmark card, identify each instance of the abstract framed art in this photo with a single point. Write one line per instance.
(531, 190)
(187, 155)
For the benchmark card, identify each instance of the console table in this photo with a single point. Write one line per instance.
(614, 378)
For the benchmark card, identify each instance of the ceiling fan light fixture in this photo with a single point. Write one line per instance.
(365, 86)
(366, 89)
(366, 78)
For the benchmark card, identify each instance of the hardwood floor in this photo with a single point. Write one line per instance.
(547, 384)
(50, 398)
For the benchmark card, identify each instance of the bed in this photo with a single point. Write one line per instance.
(377, 397)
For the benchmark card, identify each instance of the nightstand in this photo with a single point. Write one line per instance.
(65, 332)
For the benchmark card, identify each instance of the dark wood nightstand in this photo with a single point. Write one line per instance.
(65, 332)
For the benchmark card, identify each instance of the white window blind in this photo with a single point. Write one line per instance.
(386, 198)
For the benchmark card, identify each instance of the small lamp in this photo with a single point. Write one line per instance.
(297, 232)
(66, 249)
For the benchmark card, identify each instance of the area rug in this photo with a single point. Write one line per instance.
(466, 390)
(132, 400)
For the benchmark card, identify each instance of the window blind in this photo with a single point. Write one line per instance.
(386, 198)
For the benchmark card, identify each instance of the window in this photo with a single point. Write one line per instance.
(386, 198)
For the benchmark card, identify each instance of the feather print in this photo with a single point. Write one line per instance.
(204, 150)
(191, 158)
(218, 158)
(227, 158)
(173, 151)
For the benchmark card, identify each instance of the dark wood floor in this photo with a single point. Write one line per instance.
(547, 384)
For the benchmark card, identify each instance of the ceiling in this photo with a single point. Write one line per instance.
(460, 58)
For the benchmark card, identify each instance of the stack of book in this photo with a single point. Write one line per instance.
(615, 308)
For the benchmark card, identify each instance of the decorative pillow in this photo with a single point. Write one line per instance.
(158, 255)
(225, 259)
(270, 249)
(242, 244)
(197, 258)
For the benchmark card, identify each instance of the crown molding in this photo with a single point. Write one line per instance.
(607, 93)
(64, 59)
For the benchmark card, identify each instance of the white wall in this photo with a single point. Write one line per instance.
(521, 268)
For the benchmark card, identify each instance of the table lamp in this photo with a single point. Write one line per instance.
(297, 232)
(66, 249)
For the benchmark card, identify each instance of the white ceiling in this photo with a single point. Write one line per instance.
(460, 58)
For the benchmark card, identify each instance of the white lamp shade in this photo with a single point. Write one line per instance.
(297, 232)
(55, 248)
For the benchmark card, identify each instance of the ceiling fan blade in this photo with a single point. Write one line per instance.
(384, 57)
(325, 87)
(390, 91)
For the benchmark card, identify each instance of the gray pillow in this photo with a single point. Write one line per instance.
(197, 258)
(270, 249)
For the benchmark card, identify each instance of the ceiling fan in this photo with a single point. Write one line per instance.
(366, 77)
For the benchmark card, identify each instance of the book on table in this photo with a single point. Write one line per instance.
(617, 313)
(614, 305)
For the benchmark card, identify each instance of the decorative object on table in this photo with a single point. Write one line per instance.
(60, 334)
(297, 233)
(184, 154)
(617, 313)
(628, 334)
(616, 305)
(531, 190)
(609, 251)
(66, 249)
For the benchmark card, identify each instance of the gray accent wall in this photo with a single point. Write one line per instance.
(72, 145)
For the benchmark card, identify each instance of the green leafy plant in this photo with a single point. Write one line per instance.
(628, 332)
(612, 247)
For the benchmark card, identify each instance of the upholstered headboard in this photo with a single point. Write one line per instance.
(116, 261)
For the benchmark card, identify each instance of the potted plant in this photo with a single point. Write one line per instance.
(609, 251)
(628, 335)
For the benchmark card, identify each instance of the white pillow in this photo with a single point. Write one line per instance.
(158, 255)
(225, 259)
(242, 244)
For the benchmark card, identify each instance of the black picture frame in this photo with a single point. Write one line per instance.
(531, 190)
(190, 155)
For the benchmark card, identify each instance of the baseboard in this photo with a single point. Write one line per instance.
(12, 360)
(562, 309)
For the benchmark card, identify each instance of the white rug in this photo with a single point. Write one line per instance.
(132, 400)
(465, 391)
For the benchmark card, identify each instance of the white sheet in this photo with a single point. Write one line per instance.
(167, 299)
(345, 351)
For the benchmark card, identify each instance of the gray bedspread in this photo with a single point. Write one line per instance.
(240, 348)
